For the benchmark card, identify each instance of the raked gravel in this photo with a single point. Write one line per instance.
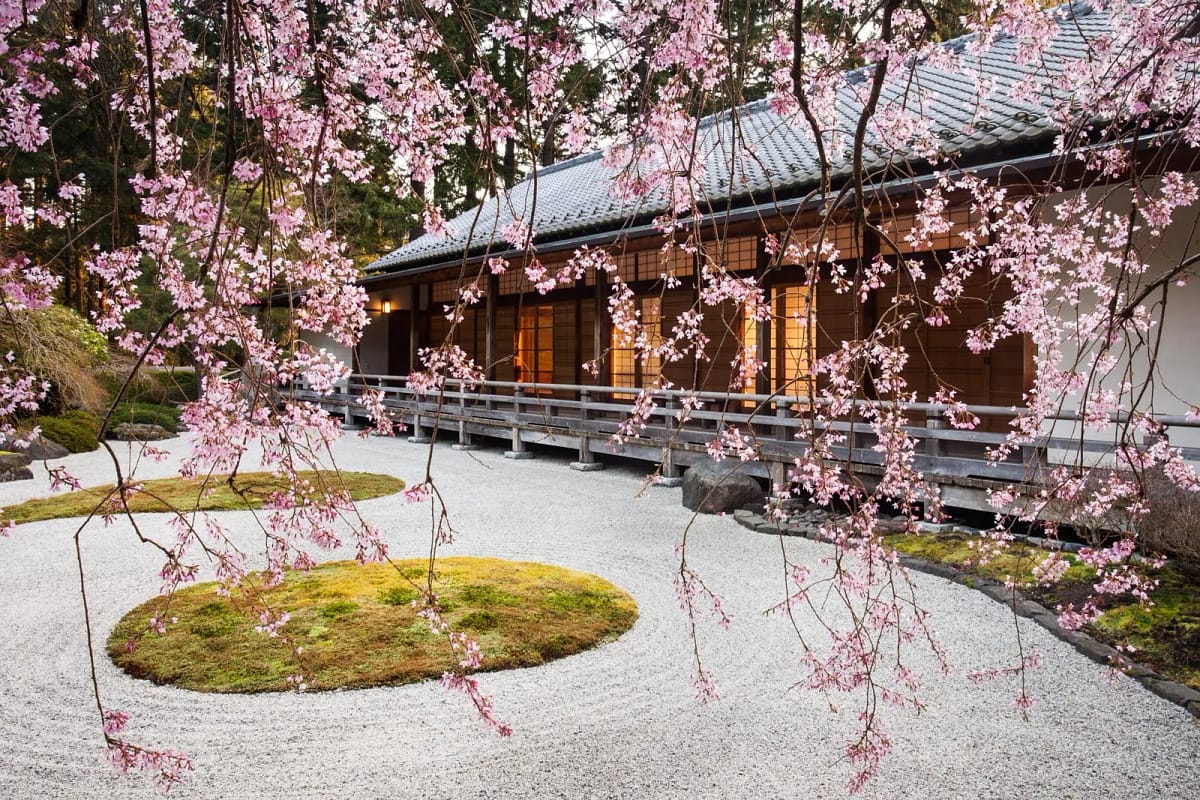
(620, 721)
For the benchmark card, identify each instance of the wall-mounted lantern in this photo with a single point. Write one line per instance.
(386, 306)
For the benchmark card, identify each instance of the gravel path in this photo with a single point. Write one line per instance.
(619, 721)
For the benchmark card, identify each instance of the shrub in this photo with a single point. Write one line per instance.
(84, 418)
(1172, 525)
(181, 386)
(146, 414)
(158, 387)
(73, 434)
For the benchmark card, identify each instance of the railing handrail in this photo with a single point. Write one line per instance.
(530, 390)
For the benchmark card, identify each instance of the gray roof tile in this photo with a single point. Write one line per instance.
(573, 197)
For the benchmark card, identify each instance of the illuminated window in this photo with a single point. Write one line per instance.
(675, 262)
(749, 360)
(535, 345)
(955, 231)
(445, 292)
(513, 279)
(839, 237)
(735, 255)
(789, 355)
(627, 368)
(793, 340)
(470, 334)
(627, 267)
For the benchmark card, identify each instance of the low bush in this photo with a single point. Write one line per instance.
(164, 388)
(84, 418)
(146, 414)
(73, 434)
(1172, 524)
(154, 387)
(182, 385)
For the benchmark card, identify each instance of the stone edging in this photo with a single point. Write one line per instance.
(1097, 651)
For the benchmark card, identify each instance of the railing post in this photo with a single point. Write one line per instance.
(518, 450)
(418, 436)
(587, 459)
(464, 436)
(671, 474)
(934, 421)
(781, 412)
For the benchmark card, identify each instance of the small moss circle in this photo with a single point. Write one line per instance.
(357, 625)
(249, 490)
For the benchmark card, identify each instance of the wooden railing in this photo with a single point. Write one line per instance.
(588, 420)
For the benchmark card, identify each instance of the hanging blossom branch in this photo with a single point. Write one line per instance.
(238, 230)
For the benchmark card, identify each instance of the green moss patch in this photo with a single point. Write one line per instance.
(249, 490)
(1166, 635)
(954, 549)
(355, 631)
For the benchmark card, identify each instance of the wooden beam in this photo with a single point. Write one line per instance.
(414, 340)
(489, 333)
(765, 344)
(600, 335)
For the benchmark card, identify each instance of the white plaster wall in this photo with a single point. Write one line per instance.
(1176, 377)
(320, 341)
(373, 347)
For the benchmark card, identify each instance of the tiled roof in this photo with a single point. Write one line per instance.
(775, 155)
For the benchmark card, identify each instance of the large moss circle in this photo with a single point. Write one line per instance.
(358, 627)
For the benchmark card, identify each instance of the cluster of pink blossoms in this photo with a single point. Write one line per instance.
(238, 229)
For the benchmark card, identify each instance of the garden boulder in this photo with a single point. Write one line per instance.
(715, 487)
(38, 449)
(139, 432)
(15, 467)
(43, 449)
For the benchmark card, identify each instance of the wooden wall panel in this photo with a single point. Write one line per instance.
(566, 348)
(439, 326)
(506, 332)
(722, 325)
(587, 322)
(681, 373)
(835, 318)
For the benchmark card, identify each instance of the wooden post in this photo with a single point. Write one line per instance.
(671, 474)
(586, 461)
(489, 331)
(518, 450)
(782, 432)
(418, 435)
(778, 473)
(933, 446)
(934, 421)
(464, 436)
(414, 342)
(600, 340)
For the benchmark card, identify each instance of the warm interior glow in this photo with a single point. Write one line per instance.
(788, 356)
(627, 368)
(749, 346)
(793, 345)
(387, 306)
(535, 345)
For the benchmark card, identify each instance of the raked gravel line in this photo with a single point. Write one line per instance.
(620, 721)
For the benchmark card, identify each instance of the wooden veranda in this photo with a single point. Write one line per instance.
(586, 420)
